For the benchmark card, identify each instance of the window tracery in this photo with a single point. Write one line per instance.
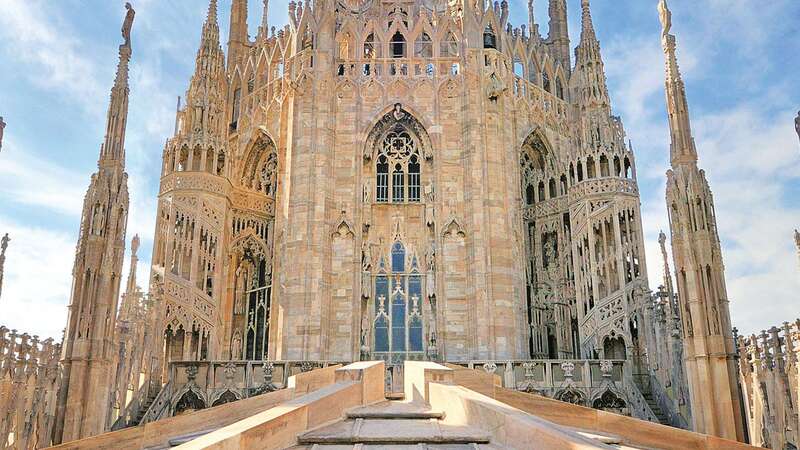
(399, 154)
(260, 172)
(253, 296)
(448, 47)
(398, 308)
(423, 47)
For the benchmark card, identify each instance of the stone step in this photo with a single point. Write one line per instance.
(395, 410)
(393, 431)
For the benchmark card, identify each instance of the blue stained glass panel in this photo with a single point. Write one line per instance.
(398, 323)
(415, 290)
(415, 335)
(398, 258)
(381, 290)
(381, 335)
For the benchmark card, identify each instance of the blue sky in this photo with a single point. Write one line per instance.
(739, 59)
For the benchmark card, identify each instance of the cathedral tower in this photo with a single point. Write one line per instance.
(708, 339)
(89, 346)
(187, 263)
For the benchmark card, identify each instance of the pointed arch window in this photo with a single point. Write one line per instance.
(237, 98)
(489, 38)
(532, 71)
(398, 321)
(399, 153)
(398, 45)
(372, 47)
(254, 292)
(546, 82)
(308, 39)
(448, 47)
(423, 47)
(559, 89)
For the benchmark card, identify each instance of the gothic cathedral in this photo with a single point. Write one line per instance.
(402, 180)
(398, 180)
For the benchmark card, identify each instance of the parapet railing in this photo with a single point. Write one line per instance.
(194, 385)
(594, 383)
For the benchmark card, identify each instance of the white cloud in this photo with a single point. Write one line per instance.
(37, 280)
(748, 148)
(55, 56)
(34, 182)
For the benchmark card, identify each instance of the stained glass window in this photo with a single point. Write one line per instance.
(399, 293)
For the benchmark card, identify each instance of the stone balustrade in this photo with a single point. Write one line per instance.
(601, 384)
(29, 382)
(196, 385)
(769, 376)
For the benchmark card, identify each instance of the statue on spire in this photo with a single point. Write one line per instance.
(128, 24)
(3, 127)
(665, 15)
(796, 127)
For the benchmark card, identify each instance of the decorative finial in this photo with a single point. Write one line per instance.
(665, 15)
(796, 239)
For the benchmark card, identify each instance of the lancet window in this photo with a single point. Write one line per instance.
(398, 310)
(448, 47)
(253, 300)
(423, 47)
(546, 82)
(398, 45)
(398, 168)
(237, 98)
(489, 38)
(260, 171)
(372, 47)
(532, 170)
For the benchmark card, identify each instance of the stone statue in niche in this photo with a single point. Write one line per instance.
(550, 252)
(236, 346)
(366, 195)
(198, 118)
(430, 262)
(430, 257)
(366, 270)
(366, 257)
(365, 326)
(98, 220)
(430, 198)
(430, 195)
